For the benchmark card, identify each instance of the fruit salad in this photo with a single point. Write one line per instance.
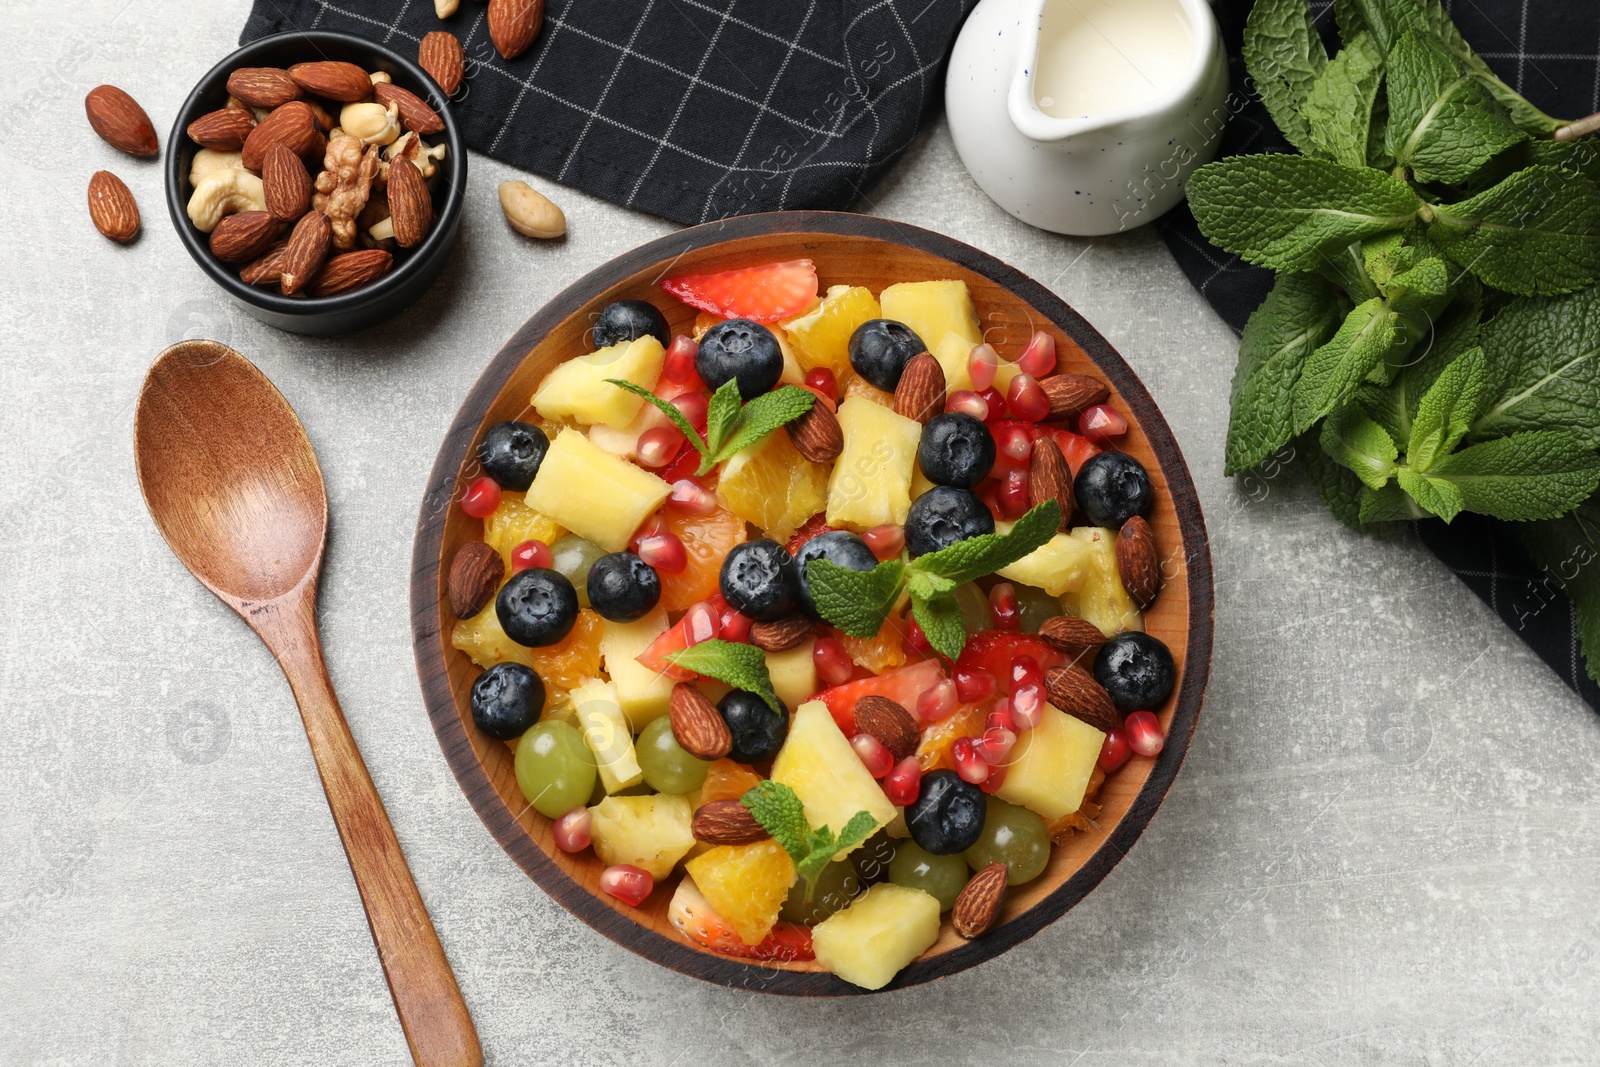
(824, 618)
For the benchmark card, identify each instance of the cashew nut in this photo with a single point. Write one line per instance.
(383, 231)
(422, 154)
(531, 212)
(224, 193)
(209, 161)
(445, 8)
(378, 76)
(372, 123)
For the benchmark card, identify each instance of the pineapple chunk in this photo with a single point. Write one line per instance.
(650, 832)
(934, 309)
(817, 762)
(920, 483)
(884, 929)
(792, 373)
(482, 638)
(771, 485)
(745, 884)
(871, 482)
(1100, 597)
(596, 495)
(794, 673)
(605, 729)
(952, 353)
(642, 692)
(1061, 564)
(1051, 765)
(578, 390)
(821, 337)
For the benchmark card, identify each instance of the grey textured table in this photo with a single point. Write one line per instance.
(1383, 847)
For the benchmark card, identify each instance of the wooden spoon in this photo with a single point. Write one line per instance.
(233, 485)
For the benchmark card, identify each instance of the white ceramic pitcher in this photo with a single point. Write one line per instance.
(1144, 86)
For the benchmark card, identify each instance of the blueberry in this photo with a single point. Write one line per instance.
(629, 320)
(511, 453)
(956, 450)
(942, 516)
(743, 350)
(759, 580)
(1136, 669)
(880, 350)
(758, 731)
(506, 700)
(1111, 488)
(947, 816)
(622, 587)
(836, 546)
(537, 607)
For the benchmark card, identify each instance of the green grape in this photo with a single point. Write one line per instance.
(573, 556)
(941, 877)
(667, 767)
(1035, 606)
(974, 604)
(1014, 836)
(555, 769)
(837, 885)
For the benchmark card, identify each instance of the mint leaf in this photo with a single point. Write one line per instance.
(1443, 124)
(968, 560)
(940, 619)
(1366, 340)
(822, 847)
(856, 602)
(1356, 442)
(670, 410)
(1284, 56)
(1566, 551)
(1389, 504)
(1535, 234)
(1544, 357)
(1395, 406)
(1298, 316)
(779, 811)
(740, 665)
(1339, 108)
(1439, 497)
(1337, 485)
(1284, 211)
(1447, 410)
(763, 415)
(857, 829)
(721, 414)
(1538, 474)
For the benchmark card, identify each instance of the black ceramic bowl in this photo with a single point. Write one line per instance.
(414, 268)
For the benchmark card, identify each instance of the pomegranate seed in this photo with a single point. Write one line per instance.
(691, 498)
(997, 403)
(833, 663)
(530, 554)
(1114, 751)
(994, 747)
(679, 363)
(886, 541)
(1013, 496)
(1027, 705)
(665, 553)
(989, 492)
(1101, 423)
(1025, 670)
(627, 883)
(1026, 400)
(572, 830)
(902, 784)
(973, 684)
(967, 402)
(694, 407)
(915, 640)
(1144, 733)
(481, 498)
(734, 626)
(982, 365)
(1003, 607)
(654, 526)
(822, 380)
(873, 755)
(700, 623)
(659, 446)
(1039, 358)
(996, 779)
(936, 704)
(1014, 442)
(687, 465)
(969, 763)
(1001, 717)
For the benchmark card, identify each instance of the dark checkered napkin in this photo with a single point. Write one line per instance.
(1549, 50)
(690, 109)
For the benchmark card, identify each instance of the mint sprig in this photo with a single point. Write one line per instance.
(779, 811)
(740, 665)
(730, 426)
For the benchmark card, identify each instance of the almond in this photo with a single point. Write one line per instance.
(112, 207)
(441, 56)
(293, 125)
(475, 574)
(920, 394)
(1137, 561)
(816, 434)
(697, 724)
(780, 635)
(1049, 477)
(244, 236)
(267, 87)
(332, 80)
(410, 206)
(1074, 691)
(1071, 393)
(513, 25)
(352, 270)
(979, 903)
(223, 129)
(726, 822)
(890, 723)
(1070, 635)
(285, 183)
(414, 111)
(268, 270)
(120, 121)
(308, 249)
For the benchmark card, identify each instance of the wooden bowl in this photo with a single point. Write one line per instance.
(859, 250)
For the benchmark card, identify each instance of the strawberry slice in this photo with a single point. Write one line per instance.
(815, 525)
(762, 294)
(692, 917)
(993, 651)
(1076, 448)
(902, 686)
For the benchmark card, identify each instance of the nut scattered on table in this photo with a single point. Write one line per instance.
(112, 207)
(440, 54)
(120, 121)
(514, 24)
(530, 212)
(445, 8)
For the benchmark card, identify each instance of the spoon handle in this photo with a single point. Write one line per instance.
(432, 1012)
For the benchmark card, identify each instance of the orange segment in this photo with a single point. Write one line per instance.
(706, 539)
(574, 659)
(966, 721)
(877, 654)
(514, 522)
(821, 337)
(727, 780)
(863, 388)
(773, 486)
(745, 884)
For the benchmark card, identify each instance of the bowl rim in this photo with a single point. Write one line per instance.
(447, 723)
(443, 232)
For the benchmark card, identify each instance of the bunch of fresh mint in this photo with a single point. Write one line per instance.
(1430, 346)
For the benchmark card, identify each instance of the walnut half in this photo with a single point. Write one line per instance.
(344, 186)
